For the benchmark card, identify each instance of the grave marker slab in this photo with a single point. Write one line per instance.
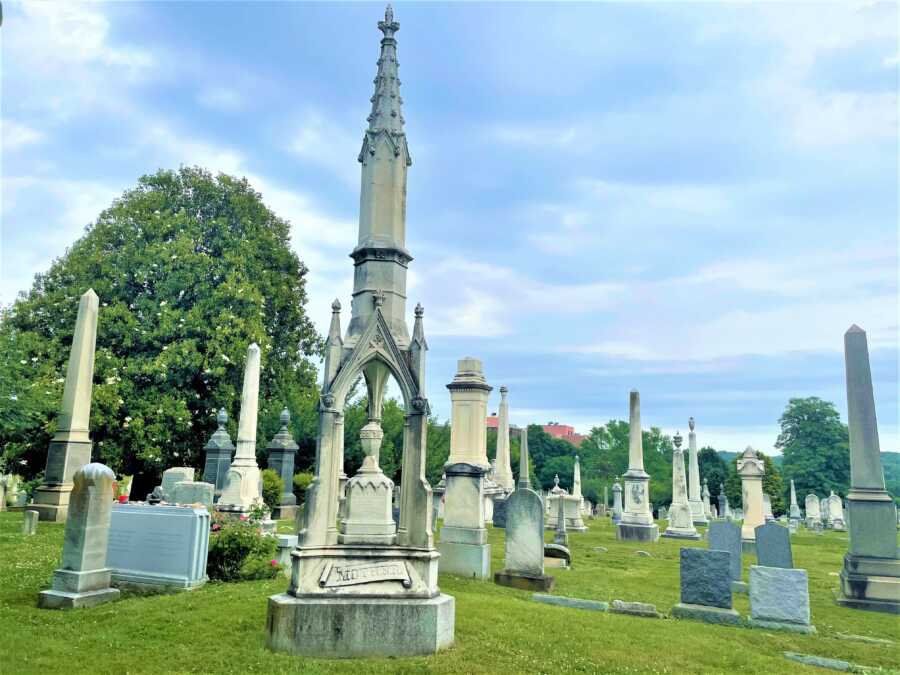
(706, 587)
(773, 546)
(779, 599)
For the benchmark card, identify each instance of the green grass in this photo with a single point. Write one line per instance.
(221, 627)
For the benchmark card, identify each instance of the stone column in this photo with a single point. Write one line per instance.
(695, 495)
(504, 477)
(243, 483)
(681, 522)
(416, 527)
(637, 519)
(463, 546)
(70, 448)
(282, 450)
(574, 503)
(795, 507)
(723, 502)
(617, 502)
(870, 578)
(83, 578)
(218, 450)
(707, 510)
(751, 470)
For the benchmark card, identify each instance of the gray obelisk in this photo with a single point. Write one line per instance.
(637, 519)
(70, 448)
(695, 494)
(504, 476)
(870, 578)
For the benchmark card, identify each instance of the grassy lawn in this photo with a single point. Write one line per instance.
(221, 627)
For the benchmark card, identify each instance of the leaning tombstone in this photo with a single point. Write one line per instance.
(726, 536)
(29, 522)
(779, 599)
(706, 587)
(83, 580)
(773, 546)
(158, 548)
(524, 566)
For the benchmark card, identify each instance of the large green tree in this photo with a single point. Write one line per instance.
(713, 470)
(815, 447)
(190, 269)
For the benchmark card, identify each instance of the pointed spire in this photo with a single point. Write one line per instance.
(524, 481)
(334, 331)
(386, 114)
(333, 346)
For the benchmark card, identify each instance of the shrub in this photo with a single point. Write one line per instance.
(238, 551)
(272, 488)
(301, 482)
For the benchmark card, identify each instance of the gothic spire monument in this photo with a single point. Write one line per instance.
(354, 570)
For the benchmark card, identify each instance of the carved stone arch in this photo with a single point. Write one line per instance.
(375, 344)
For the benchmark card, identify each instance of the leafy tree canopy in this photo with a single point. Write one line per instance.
(815, 447)
(190, 269)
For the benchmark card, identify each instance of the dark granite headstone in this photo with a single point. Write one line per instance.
(773, 546)
(706, 577)
(726, 536)
(499, 516)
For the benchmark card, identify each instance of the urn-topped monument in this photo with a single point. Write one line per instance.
(365, 586)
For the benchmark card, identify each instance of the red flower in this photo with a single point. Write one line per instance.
(243, 517)
(274, 563)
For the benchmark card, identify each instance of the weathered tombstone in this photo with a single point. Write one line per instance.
(617, 503)
(813, 514)
(282, 450)
(723, 502)
(773, 546)
(218, 449)
(158, 548)
(524, 563)
(870, 578)
(70, 448)
(29, 522)
(795, 507)
(498, 518)
(681, 515)
(83, 580)
(836, 511)
(779, 599)
(767, 508)
(726, 536)
(636, 522)
(751, 470)
(706, 587)
(193, 492)
(561, 537)
(176, 474)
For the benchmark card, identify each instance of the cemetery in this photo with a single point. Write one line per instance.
(270, 499)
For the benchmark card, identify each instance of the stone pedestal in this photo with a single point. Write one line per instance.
(281, 451)
(681, 516)
(637, 518)
(219, 450)
(83, 579)
(751, 470)
(463, 546)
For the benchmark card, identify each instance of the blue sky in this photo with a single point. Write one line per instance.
(695, 200)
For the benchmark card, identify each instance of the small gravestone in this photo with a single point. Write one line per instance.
(498, 518)
(83, 578)
(634, 609)
(158, 548)
(779, 599)
(29, 523)
(286, 544)
(193, 492)
(706, 587)
(773, 546)
(170, 477)
(725, 535)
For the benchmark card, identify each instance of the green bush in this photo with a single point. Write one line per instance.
(301, 482)
(272, 488)
(238, 551)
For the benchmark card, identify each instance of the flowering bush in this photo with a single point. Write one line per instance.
(238, 551)
(272, 488)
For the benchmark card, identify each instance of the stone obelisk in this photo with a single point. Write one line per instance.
(637, 519)
(504, 475)
(870, 578)
(681, 522)
(795, 507)
(70, 448)
(243, 483)
(695, 495)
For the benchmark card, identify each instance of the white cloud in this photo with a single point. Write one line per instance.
(325, 144)
(17, 135)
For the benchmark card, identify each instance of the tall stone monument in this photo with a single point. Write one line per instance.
(504, 475)
(707, 507)
(464, 548)
(374, 595)
(751, 469)
(695, 494)
(617, 503)
(524, 564)
(870, 578)
(637, 519)
(243, 482)
(795, 514)
(681, 521)
(281, 451)
(83, 579)
(574, 503)
(219, 450)
(724, 511)
(70, 447)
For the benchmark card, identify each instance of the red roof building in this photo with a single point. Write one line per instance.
(565, 432)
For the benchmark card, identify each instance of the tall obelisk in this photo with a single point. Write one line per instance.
(870, 578)
(70, 448)
(637, 519)
(695, 494)
(504, 475)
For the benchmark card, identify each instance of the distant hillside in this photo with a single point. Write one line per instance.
(729, 456)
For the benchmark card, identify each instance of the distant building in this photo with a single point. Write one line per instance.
(492, 421)
(565, 432)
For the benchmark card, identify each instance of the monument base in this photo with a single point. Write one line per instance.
(718, 615)
(149, 584)
(628, 532)
(870, 583)
(525, 582)
(675, 534)
(359, 627)
(52, 502)
(65, 600)
(806, 629)
(285, 512)
(740, 587)
(748, 546)
(467, 560)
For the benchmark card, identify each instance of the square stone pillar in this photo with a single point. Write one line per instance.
(464, 548)
(281, 451)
